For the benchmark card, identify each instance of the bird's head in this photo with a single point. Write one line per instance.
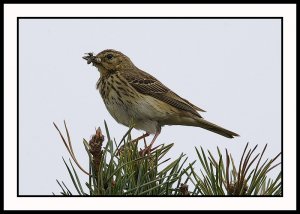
(110, 60)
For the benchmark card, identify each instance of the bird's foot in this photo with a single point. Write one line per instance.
(147, 150)
(121, 149)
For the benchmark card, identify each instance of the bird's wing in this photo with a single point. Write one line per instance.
(149, 85)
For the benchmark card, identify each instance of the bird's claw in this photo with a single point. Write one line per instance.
(147, 150)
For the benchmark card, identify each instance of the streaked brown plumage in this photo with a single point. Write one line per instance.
(131, 94)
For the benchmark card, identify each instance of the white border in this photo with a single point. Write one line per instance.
(12, 11)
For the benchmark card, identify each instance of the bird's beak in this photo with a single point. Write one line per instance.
(91, 58)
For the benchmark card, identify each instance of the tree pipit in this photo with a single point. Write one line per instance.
(132, 94)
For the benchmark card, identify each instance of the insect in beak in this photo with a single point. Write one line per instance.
(91, 58)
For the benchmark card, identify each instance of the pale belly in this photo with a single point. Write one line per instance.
(131, 109)
(144, 112)
(139, 113)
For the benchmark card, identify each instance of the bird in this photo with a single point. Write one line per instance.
(131, 94)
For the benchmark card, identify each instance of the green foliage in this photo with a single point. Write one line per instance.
(121, 169)
(219, 177)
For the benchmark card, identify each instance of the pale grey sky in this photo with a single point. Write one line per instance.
(229, 67)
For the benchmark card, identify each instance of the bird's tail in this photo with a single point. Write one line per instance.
(215, 128)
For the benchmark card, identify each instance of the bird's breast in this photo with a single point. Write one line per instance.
(119, 98)
(126, 105)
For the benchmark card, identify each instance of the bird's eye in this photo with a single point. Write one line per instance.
(109, 56)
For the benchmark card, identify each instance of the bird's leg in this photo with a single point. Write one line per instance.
(148, 149)
(133, 141)
(139, 138)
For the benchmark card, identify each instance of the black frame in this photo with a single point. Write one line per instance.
(18, 18)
